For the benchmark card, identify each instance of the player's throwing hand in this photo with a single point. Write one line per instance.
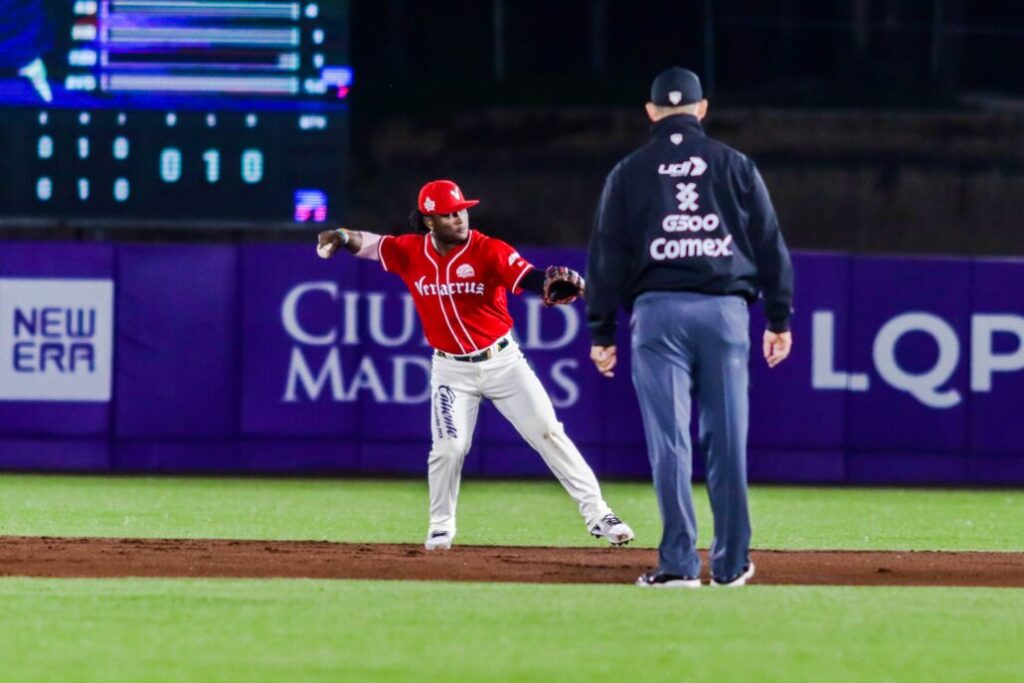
(329, 242)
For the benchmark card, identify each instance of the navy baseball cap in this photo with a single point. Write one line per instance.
(675, 87)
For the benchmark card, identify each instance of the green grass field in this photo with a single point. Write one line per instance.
(493, 513)
(256, 630)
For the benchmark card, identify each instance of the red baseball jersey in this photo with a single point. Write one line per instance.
(460, 297)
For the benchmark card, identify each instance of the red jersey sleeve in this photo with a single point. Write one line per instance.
(392, 254)
(509, 266)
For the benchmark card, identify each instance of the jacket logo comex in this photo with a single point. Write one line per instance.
(694, 167)
(666, 249)
(424, 288)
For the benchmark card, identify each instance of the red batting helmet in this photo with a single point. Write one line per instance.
(443, 196)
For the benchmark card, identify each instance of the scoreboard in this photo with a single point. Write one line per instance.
(162, 112)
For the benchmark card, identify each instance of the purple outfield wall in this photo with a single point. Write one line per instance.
(266, 359)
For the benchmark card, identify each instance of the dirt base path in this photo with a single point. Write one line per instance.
(120, 557)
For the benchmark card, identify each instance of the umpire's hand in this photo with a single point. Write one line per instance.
(604, 359)
(777, 346)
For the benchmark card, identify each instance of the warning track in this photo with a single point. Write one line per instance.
(126, 557)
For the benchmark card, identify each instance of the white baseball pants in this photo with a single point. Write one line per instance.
(510, 383)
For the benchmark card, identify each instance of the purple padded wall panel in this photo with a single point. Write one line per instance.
(791, 466)
(996, 471)
(906, 468)
(50, 260)
(299, 456)
(403, 458)
(626, 462)
(56, 259)
(177, 342)
(392, 339)
(786, 411)
(621, 411)
(55, 455)
(997, 404)
(173, 457)
(297, 364)
(514, 460)
(891, 295)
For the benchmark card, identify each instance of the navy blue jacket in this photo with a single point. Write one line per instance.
(685, 213)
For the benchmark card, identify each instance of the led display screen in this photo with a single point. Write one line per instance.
(141, 112)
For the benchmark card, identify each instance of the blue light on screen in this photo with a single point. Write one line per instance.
(310, 205)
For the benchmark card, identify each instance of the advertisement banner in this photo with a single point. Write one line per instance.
(56, 340)
(801, 404)
(305, 371)
(997, 358)
(56, 344)
(263, 358)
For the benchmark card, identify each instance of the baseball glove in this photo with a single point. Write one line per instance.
(562, 285)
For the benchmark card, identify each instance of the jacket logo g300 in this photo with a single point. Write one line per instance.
(693, 167)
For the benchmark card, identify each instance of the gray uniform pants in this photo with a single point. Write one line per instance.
(694, 344)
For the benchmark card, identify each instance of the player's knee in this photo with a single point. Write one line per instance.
(449, 449)
(545, 427)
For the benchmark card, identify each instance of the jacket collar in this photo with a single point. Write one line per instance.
(677, 123)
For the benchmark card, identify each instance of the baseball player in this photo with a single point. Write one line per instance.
(458, 278)
(686, 237)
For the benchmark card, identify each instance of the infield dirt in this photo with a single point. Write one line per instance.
(124, 557)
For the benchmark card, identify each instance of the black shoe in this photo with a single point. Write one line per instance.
(738, 580)
(657, 579)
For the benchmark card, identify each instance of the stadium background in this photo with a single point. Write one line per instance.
(889, 132)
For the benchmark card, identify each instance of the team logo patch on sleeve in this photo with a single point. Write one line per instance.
(513, 257)
(465, 270)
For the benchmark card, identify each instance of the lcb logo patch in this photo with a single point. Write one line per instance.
(56, 339)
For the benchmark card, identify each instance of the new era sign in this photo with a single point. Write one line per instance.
(56, 339)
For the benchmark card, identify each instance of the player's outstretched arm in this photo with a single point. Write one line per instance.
(358, 242)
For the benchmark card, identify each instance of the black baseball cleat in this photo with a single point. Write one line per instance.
(738, 580)
(656, 579)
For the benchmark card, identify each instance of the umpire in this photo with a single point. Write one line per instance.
(686, 238)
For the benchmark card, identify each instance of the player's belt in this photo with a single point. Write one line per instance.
(488, 353)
